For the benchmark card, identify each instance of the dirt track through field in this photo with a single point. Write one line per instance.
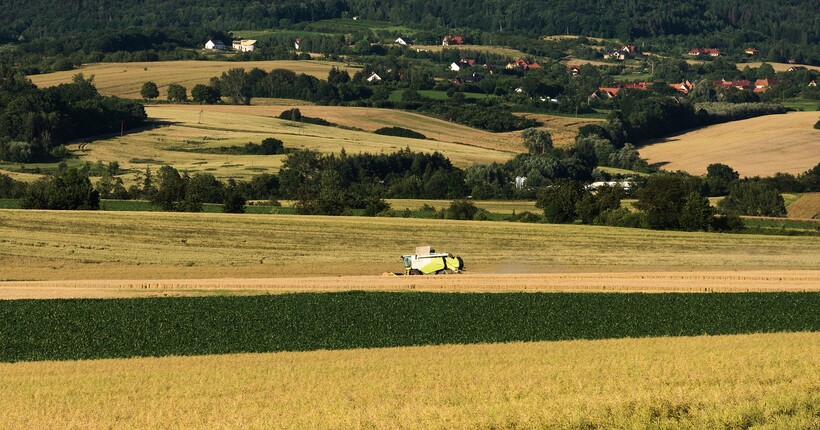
(718, 281)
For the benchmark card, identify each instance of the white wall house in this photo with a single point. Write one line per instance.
(374, 78)
(215, 44)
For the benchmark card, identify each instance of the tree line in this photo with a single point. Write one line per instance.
(35, 124)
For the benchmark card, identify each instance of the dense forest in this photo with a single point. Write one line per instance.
(788, 30)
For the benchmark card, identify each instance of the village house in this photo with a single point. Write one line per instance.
(684, 87)
(216, 45)
(452, 40)
(403, 41)
(244, 45)
(574, 69)
(762, 85)
(615, 55)
(813, 83)
(374, 77)
(712, 52)
(523, 65)
(297, 43)
(751, 51)
(461, 65)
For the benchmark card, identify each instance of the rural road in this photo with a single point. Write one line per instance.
(704, 281)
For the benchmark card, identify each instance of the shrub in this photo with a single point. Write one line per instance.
(462, 210)
(400, 132)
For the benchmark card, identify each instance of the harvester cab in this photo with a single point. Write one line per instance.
(426, 261)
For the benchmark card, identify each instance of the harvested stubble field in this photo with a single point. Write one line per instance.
(741, 381)
(125, 79)
(71, 245)
(235, 126)
(805, 207)
(757, 146)
(372, 119)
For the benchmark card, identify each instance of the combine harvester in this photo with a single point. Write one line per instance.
(427, 262)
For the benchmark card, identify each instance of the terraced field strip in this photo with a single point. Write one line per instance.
(759, 146)
(625, 383)
(695, 282)
(126, 79)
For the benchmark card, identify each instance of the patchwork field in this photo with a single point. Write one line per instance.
(192, 128)
(768, 380)
(126, 79)
(51, 245)
(758, 146)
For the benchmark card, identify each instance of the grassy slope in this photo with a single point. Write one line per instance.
(757, 146)
(134, 245)
(690, 382)
(126, 79)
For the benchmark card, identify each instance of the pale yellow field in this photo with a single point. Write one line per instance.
(758, 146)
(53, 245)
(513, 54)
(371, 119)
(126, 79)
(494, 206)
(235, 125)
(467, 282)
(807, 206)
(759, 381)
(778, 67)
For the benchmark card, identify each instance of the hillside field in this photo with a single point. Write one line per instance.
(758, 146)
(691, 382)
(807, 206)
(126, 79)
(179, 134)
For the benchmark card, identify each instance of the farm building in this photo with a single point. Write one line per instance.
(452, 40)
(215, 45)
(403, 41)
(244, 45)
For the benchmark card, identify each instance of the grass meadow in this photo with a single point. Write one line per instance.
(739, 381)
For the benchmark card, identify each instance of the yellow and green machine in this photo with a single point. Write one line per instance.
(426, 261)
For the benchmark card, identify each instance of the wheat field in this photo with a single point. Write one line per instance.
(55, 245)
(741, 381)
(125, 79)
(758, 146)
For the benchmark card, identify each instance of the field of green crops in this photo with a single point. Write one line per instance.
(91, 329)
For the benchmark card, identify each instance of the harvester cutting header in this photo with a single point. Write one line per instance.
(427, 262)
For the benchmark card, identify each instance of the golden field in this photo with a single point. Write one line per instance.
(187, 128)
(807, 206)
(758, 380)
(57, 245)
(126, 79)
(758, 146)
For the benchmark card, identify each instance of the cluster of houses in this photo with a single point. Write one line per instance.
(622, 53)
(522, 64)
(712, 52)
(685, 87)
(241, 45)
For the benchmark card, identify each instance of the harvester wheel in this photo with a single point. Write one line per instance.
(415, 272)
